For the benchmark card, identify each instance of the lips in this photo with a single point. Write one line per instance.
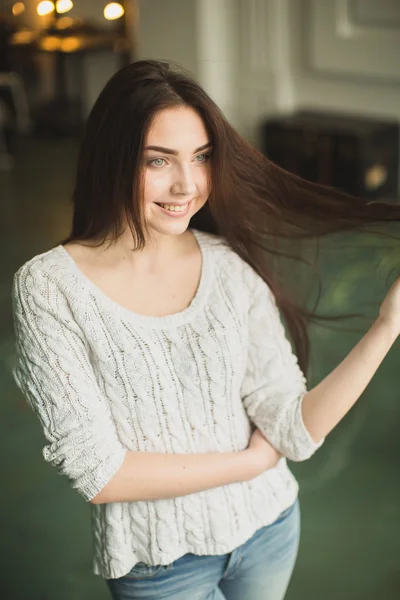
(173, 203)
(175, 213)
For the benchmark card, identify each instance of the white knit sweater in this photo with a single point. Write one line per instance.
(104, 380)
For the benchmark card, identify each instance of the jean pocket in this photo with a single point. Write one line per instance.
(143, 571)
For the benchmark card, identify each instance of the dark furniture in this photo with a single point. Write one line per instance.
(358, 155)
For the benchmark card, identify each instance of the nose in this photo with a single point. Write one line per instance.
(184, 183)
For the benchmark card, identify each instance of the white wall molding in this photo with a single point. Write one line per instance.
(217, 52)
(255, 58)
(340, 89)
(341, 45)
(261, 57)
(264, 82)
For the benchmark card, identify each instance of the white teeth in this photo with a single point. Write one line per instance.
(173, 208)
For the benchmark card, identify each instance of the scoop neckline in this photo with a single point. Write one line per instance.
(149, 320)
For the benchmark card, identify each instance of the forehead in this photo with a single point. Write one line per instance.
(177, 127)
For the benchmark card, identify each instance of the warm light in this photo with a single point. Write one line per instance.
(64, 22)
(63, 6)
(112, 11)
(50, 43)
(18, 8)
(24, 36)
(45, 8)
(71, 44)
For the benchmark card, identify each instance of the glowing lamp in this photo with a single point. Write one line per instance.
(18, 8)
(63, 6)
(113, 11)
(45, 8)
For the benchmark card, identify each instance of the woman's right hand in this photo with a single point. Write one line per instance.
(262, 454)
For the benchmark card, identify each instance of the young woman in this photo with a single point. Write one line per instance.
(151, 348)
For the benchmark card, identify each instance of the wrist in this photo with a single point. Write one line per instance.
(252, 463)
(391, 328)
(258, 462)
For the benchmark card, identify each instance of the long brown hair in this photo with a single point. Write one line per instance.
(253, 203)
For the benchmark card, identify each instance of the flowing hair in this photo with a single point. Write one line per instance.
(254, 204)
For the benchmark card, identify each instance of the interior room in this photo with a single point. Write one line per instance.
(315, 86)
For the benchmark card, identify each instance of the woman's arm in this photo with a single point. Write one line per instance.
(275, 396)
(54, 373)
(274, 386)
(326, 404)
(154, 476)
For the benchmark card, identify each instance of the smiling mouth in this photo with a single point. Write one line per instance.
(173, 207)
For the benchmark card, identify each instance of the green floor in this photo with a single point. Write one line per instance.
(350, 490)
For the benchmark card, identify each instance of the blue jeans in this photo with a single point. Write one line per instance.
(259, 569)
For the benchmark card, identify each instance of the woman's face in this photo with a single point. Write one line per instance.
(176, 158)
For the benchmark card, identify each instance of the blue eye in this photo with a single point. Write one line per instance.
(155, 162)
(204, 157)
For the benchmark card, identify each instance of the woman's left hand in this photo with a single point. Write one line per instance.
(390, 308)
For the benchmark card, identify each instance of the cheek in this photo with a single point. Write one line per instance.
(154, 185)
(204, 183)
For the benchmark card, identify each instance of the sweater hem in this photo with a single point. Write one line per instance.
(165, 559)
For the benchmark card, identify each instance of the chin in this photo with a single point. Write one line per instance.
(175, 228)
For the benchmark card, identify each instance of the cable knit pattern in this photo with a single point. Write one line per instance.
(104, 380)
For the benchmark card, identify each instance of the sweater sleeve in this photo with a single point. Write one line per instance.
(54, 373)
(274, 386)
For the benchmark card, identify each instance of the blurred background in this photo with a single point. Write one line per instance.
(315, 85)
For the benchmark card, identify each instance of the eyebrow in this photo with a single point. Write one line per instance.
(175, 152)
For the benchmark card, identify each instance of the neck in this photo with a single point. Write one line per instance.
(159, 250)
